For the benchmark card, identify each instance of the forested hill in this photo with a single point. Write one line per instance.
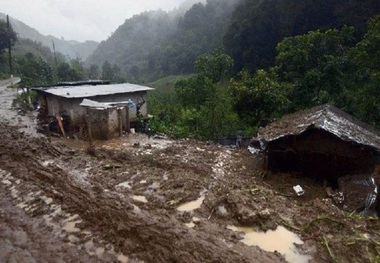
(258, 25)
(72, 49)
(155, 44)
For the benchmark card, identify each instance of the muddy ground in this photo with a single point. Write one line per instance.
(125, 203)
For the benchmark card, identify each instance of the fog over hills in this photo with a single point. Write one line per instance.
(70, 48)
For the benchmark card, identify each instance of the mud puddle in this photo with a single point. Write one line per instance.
(193, 205)
(281, 240)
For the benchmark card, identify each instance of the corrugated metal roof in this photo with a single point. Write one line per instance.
(95, 104)
(85, 91)
(326, 117)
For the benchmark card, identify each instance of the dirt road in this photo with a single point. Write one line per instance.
(9, 114)
(145, 199)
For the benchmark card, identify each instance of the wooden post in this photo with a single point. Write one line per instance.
(59, 119)
(120, 122)
(90, 148)
(89, 128)
(128, 128)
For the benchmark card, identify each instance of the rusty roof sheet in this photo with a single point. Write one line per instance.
(325, 117)
(85, 91)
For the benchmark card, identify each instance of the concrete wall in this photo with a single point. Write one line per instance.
(98, 120)
(104, 123)
(113, 123)
(70, 107)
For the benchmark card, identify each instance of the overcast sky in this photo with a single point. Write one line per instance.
(79, 19)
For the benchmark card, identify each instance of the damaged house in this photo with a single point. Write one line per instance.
(108, 109)
(323, 142)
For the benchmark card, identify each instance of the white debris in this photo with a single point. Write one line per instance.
(298, 189)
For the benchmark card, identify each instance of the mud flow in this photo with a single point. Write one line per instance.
(140, 199)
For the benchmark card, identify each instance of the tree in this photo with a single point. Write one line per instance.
(259, 98)
(111, 73)
(35, 71)
(93, 72)
(210, 68)
(316, 64)
(214, 66)
(364, 76)
(107, 73)
(195, 91)
(66, 73)
(205, 107)
(6, 35)
(78, 70)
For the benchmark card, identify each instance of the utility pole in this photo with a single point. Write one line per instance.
(55, 55)
(9, 47)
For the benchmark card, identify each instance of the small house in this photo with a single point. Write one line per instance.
(323, 142)
(107, 108)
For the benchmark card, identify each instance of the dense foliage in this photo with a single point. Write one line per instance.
(322, 66)
(258, 25)
(198, 106)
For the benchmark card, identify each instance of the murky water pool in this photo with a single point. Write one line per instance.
(281, 240)
(190, 206)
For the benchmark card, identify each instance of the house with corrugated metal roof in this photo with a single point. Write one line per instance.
(107, 108)
(323, 142)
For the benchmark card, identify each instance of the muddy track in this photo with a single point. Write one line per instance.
(155, 235)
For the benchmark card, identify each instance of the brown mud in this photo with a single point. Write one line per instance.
(59, 204)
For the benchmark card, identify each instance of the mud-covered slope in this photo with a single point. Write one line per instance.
(152, 235)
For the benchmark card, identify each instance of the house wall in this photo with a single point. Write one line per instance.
(113, 123)
(99, 120)
(319, 154)
(62, 106)
(104, 123)
(70, 107)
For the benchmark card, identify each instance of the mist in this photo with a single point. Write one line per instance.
(83, 20)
